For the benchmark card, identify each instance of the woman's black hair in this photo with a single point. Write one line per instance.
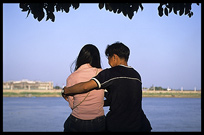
(118, 48)
(88, 54)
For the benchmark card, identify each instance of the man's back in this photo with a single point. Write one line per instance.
(124, 88)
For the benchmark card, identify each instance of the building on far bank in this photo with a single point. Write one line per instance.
(27, 85)
(168, 89)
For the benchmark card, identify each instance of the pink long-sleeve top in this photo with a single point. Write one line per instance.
(92, 106)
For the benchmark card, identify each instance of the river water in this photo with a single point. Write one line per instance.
(47, 114)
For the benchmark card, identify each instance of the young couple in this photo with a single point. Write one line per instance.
(85, 93)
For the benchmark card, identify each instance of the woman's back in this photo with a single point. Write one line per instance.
(92, 106)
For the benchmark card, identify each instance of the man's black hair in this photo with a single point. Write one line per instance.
(119, 49)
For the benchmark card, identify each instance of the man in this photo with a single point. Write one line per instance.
(124, 87)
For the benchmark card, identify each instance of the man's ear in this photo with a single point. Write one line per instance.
(115, 56)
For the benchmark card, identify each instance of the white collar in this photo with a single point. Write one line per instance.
(125, 66)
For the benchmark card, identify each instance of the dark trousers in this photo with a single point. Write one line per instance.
(73, 124)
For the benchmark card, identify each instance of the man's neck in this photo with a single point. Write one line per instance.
(122, 62)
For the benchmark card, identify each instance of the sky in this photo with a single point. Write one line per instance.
(166, 51)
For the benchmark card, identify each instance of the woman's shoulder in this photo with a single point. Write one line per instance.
(72, 76)
(77, 73)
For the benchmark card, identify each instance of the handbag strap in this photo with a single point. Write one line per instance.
(85, 96)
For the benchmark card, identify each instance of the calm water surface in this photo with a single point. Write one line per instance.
(49, 113)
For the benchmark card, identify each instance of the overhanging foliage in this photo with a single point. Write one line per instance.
(40, 10)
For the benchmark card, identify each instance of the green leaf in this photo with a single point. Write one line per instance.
(160, 9)
(28, 13)
(66, 7)
(130, 14)
(135, 7)
(119, 11)
(166, 11)
(75, 5)
(141, 6)
(52, 17)
(41, 15)
(181, 11)
(101, 5)
(175, 10)
(124, 12)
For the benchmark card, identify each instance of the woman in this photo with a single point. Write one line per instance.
(87, 108)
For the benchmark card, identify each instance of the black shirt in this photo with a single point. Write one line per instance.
(124, 88)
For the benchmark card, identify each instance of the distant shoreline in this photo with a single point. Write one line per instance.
(32, 93)
(57, 93)
(172, 94)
